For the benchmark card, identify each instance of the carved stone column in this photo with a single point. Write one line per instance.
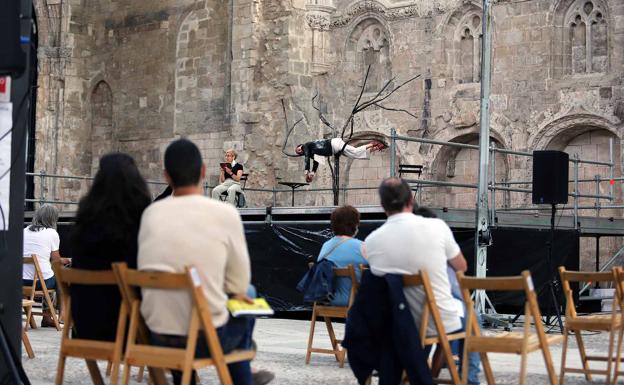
(318, 14)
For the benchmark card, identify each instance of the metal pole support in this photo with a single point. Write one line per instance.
(392, 152)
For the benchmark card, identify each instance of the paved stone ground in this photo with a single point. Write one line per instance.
(281, 345)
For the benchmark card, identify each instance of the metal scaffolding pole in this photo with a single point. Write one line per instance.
(482, 236)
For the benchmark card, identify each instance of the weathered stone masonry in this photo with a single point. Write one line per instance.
(133, 75)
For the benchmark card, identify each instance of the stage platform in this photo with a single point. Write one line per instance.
(456, 218)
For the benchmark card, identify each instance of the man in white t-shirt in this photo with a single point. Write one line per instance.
(408, 244)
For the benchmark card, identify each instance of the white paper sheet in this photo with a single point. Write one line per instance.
(6, 122)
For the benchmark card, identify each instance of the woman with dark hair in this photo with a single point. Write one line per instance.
(106, 230)
(343, 250)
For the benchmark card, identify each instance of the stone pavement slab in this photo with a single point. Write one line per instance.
(281, 349)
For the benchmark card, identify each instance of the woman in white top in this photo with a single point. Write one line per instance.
(41, 239)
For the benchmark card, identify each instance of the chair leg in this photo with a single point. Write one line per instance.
(94, 372)
(114, 373)
(60, 370)
(523, 367)
(564, 352)
(487, 369)
(311, 336)
(186, 376)
(31, 320)
(618, 357)
(610, 355)
(464, 376)
(126, 373)
(581, 348)
(332, 337)
(53, 312)
(27, 344)
(141, 374)
(109, 367)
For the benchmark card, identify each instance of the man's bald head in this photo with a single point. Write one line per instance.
(395, 195)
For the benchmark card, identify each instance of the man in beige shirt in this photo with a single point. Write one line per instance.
(186, 229)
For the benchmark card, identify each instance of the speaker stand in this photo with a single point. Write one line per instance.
(553, 281)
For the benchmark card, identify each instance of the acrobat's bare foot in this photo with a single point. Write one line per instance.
(309, 178)
(378, 146)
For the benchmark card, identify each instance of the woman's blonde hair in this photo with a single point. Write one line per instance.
(233, 152)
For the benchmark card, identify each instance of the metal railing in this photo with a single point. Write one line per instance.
(420, 185)
(506, 186)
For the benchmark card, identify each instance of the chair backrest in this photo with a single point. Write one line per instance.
(582, 276)
(66, 277)
(37, 276)
(348, 272)
(243, 179)
(619, 285)
(524, 283)
(131, 280)
(430, 306)
(410, 169)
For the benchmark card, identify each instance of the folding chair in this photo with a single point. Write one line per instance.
(27, 306)
(619, 280)
(520, 343)
(240, 200)
(328, 312)
(90, 350)
(574, 323)
(30, 292)
(141, 354)
(442, 338)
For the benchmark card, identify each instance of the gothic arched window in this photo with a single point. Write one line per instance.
(468, 38)
(586, 43)
(370, 43)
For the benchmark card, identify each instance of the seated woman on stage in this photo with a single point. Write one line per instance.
(107, 226)
(344, 250)
(229, 178)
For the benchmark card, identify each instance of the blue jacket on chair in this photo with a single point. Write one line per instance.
(317, 285)
(381, 334)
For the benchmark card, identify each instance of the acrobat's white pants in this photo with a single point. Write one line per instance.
(360, 152)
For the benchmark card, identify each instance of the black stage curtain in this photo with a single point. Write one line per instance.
(280, 255)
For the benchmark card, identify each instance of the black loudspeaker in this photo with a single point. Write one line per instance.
(12, 58)
(550, 177)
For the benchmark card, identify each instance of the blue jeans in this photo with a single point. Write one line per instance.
(474, 359)
(235, 334)
(50, 284)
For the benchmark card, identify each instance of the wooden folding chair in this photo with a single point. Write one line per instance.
(328, 312)
(30, 292)
(141, 354)
(611, 323)
(619, 281)
(442, 338)
(520, 343)
(90, 350)
(27, 306)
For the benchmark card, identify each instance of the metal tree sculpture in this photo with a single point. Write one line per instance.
(360, 105)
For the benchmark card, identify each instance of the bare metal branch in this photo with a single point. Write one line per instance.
(288, 131)
(395, 109)
(321, 116)
(386, 96)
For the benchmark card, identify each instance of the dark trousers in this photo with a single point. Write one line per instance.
(50, 284)
(234, 335)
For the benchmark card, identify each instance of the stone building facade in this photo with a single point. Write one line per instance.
(133, 75)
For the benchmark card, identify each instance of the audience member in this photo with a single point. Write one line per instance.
(343, 250)
(408, 244)
(41, 239)
(229, 178)
(474, 359)
(107, 225)
(189, 229)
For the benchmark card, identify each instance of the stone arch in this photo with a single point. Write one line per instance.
(370, 43)
(552, 134)
(453, 164)
(461, 34)
(200, 73)
(581, 44)
(101, 112)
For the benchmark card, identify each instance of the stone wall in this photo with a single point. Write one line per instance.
(132, 76)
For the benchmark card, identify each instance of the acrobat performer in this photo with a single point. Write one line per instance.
(329, 147)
